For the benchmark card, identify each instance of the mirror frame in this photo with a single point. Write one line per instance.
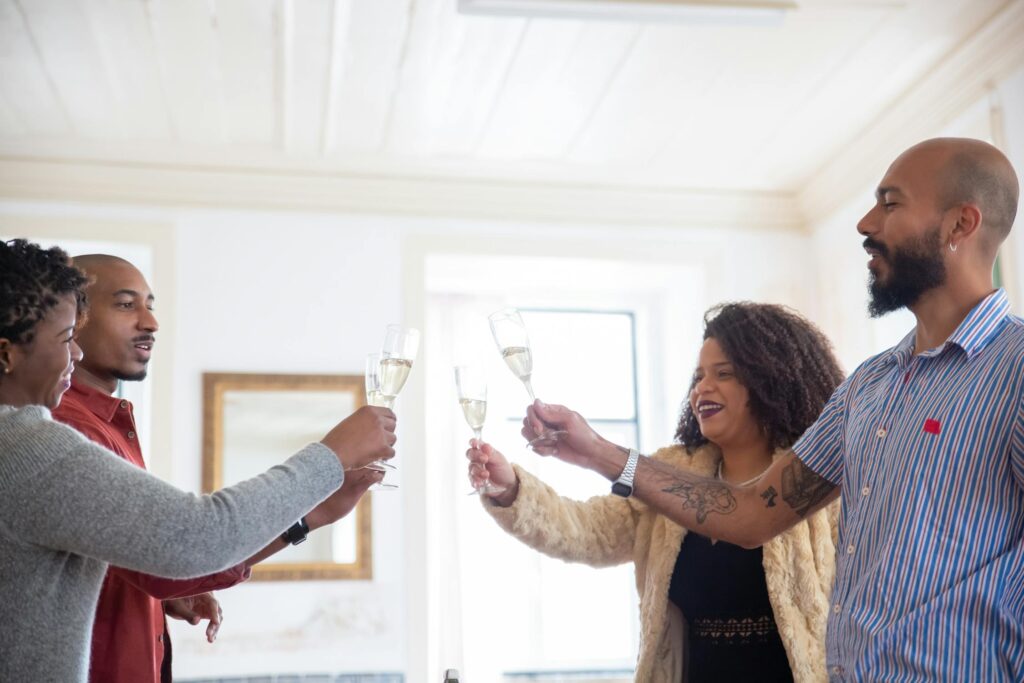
(215, 385)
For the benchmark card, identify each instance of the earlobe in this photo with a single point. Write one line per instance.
(968, 221)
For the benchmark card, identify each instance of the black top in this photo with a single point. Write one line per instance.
(722, 593)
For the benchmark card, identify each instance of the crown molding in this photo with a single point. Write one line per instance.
(68, 180)
(956, 83)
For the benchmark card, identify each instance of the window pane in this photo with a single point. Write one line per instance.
(565, 616)
(584, 361)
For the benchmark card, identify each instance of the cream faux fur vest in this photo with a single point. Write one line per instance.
(799, 565)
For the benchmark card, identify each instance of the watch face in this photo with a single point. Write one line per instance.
(620, 489)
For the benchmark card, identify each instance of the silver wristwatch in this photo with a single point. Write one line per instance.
(623, 486)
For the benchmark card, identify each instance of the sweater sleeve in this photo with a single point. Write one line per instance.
(599, 532)
(69, 494)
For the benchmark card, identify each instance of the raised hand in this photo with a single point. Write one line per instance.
(580, 445)
(487, 464)
(363, 437)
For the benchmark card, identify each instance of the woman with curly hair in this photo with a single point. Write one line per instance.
(68, 507)
(710, 611)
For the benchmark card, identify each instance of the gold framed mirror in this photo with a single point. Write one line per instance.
(253, 422)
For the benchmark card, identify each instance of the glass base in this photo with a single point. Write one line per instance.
(547, 439)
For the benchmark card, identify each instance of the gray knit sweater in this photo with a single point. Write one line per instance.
(68, 507)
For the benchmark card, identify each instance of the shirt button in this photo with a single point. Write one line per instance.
(880, 433)
(849, 549)
(837, 670)
(131, 435)
(160, 638)
(836, 608)
(865, 491)
(123, 404)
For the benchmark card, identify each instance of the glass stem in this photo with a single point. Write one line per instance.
(529, 388)
(478, 434)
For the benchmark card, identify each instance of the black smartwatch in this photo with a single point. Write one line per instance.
(296, 533)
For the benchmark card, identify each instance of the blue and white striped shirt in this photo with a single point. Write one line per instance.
(929, 452)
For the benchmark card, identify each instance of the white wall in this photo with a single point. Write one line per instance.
(1009, 96)
(302, 292)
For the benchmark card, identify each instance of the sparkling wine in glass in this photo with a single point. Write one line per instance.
(401, 344)
(471, 385)
(374, 397)
(510, 335)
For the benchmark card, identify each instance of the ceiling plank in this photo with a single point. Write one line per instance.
(123, 38)
(559, 78)
(375, 45)
(72, 62)
(454, 68)
(245, 40)
(24, 78)
(306, 57)
(184, 34)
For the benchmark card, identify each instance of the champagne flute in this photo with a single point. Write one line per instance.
(471, 384)
(510, 335)
(401, 345)
(374, 397)
(392, 369)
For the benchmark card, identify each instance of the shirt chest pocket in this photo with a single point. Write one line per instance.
(963, 451)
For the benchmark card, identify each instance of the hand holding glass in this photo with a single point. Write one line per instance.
(471, 385)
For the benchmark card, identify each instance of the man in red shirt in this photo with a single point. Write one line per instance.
(130, 642)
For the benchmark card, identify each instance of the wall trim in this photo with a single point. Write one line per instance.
(92, 181)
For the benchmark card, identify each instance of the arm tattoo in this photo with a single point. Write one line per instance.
(802, 489)
(704, 497)
(769, 495)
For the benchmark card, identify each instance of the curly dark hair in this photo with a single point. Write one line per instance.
(31, 281)
(782, 359)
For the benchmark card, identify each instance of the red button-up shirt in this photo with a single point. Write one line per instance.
(130, 633)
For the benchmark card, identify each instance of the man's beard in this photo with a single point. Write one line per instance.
(914, 269)
(133, 377)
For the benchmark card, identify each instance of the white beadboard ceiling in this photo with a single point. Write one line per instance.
(412, 89)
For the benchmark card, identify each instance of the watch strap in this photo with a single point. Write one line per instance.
(623, 486)
(296, 533)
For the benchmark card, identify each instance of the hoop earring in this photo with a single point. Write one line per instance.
(952, 247)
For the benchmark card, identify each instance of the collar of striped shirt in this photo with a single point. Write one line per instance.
(971, 336)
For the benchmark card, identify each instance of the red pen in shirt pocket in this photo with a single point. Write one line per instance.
(932, 426)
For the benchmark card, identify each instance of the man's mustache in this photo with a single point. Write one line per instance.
(876, 245)
(143, 338)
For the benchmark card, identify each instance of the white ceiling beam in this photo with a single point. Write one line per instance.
(284, 34)
(338, 44)
(935, 100)
(533, 202)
